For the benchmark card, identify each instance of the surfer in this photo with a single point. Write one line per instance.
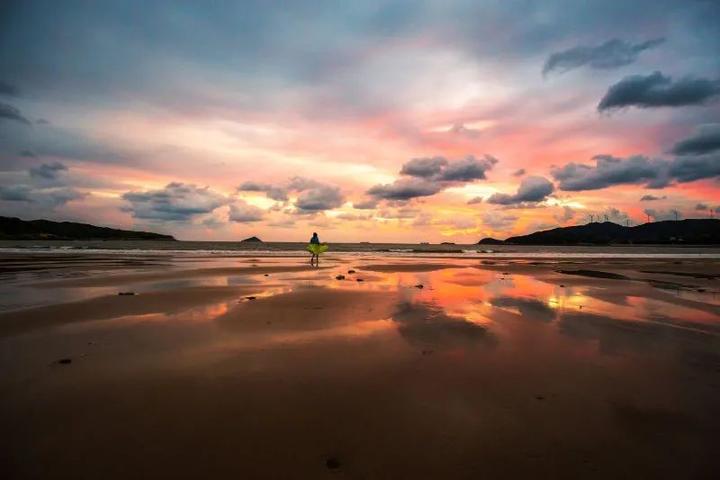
(315, 248)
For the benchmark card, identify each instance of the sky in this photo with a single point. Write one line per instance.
(394, 121)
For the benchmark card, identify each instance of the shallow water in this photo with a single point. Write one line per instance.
(505, 370)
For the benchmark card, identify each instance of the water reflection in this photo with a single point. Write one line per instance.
(529, 308)
(428, 326)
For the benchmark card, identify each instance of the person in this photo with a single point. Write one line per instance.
(315, 256)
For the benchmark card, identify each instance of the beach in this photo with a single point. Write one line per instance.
(218, 364)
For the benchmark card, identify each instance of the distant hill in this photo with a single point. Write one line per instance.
(251, 240)
(683, 232)
(490, 241)
(12, 228)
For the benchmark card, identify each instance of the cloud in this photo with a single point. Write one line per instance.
(28, 154)
(405, 189)
(16, 193)
(423, 177)
(706, 140)
(701, 207)
(689, 169)
(609, 171)
(175, 202)
(8, 90)
(532, 190)
(519, 173)
(475, 201)
(273, 192)
(48, 171)
(662, 214)
(614, 215)
(462, 130)
(467, 169)
(242, 212)
(637, 169)
(568, 214)
(369, 204)
(499, 222)
(322, 197)
(611, 54)
(9, 112)
(658, 90)
(651, 198)
(49, 198)
(424, 167)
(313, 196)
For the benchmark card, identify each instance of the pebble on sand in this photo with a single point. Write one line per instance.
(340, 277)
(419, 285)
(126, 294)
(359, 280)
(250, 298)
(332, 463)
(351, 271)
(65, 361)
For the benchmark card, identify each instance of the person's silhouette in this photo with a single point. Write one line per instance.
(314, 257)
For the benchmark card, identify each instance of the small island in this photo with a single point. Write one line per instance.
(490, 241)
(13, 228)
(251, 240)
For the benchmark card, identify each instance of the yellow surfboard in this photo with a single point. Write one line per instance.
(317, 248)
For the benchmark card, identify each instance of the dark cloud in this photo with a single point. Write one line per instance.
(706, 140)
(701, 207)
(271, 191)
(651, 198)
(48, 198)
(242, 212)
(475, 201)
(9, 90)
(313, 196)
(658, 90)
(16, 193)
(467, 169)
(48, 171)
(8, 112)
(637, 169)
(321, 197)
(405, 189)
(519, 173)
(369, 204)
(611, 54)
(175, 202)
(531, 190)
(424, 167)
(609, 170)
(28, 154)
(688, 169)
(423, 177)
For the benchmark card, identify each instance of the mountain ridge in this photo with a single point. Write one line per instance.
(675, 232)
(13, 228)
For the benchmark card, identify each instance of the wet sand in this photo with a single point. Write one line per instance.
(427, 368)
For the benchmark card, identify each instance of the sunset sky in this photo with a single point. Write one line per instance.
(407, 121)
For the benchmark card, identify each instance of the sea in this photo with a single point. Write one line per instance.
(295, 249)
